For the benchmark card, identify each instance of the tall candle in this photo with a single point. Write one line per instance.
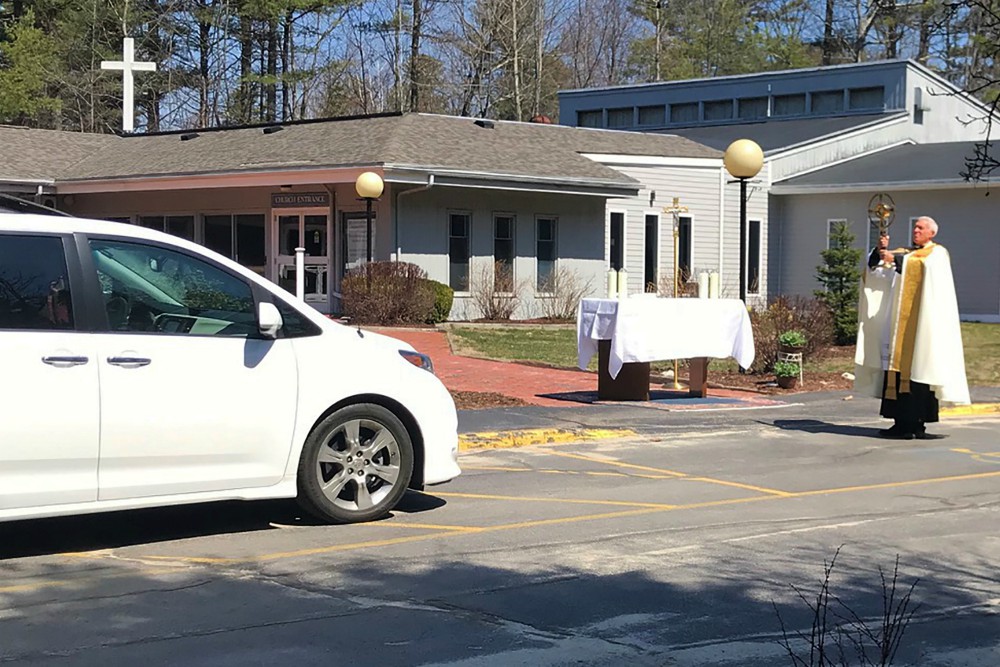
(703, 285)
(713, 285)
(622, 284)
(612, 283)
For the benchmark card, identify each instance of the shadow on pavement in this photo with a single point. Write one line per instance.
(817, 426)
(451, 611)
(109, 530)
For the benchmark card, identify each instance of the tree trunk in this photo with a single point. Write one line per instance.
(271, 101)
(246, 94)
(204, 75)
(415, 56)
(828, 47)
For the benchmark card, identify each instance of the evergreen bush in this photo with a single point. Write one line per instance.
(444, 296)
(839, 274)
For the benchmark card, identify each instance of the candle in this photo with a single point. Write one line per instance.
(622, 284)
(703, 285)
(713, 285)
(612, 283)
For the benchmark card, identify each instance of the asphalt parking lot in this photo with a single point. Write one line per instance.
(676, 546)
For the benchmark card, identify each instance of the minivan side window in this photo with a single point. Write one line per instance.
(152, 289)
(34, 284)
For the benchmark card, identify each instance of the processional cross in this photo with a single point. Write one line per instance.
(128, 65)
(675, 209)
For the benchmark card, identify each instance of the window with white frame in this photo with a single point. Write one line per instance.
(616, 241)
(503, 252)
(458, 250)
(753, 256)
(545, 253)
(831, 227)
(650, 277)
(685, 246)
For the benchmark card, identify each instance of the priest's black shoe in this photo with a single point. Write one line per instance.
(895, 433)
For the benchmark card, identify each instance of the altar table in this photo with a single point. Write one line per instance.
(629, 333)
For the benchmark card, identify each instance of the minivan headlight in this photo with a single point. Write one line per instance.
(418, 360)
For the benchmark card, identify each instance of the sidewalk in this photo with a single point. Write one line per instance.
(541, 385)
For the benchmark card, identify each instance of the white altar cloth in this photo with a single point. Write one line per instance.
(650, 329)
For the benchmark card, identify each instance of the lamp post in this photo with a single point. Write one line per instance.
(743, 160)
(369, 187)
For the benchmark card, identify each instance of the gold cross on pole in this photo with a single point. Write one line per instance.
(675, 209)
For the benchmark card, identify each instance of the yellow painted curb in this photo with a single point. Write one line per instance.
(537, 436)
(974, 409)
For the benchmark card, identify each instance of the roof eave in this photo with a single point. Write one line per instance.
(834, 188)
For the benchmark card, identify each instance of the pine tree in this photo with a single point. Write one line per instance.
(839, 274)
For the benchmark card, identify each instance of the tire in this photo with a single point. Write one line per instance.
(333, 486)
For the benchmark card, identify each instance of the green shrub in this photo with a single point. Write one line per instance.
(792, 338)
(387, 293)
(786, 369)
(444, 296)
(839, 274)
(809, 316)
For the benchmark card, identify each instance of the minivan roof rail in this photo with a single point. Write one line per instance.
(11, 204)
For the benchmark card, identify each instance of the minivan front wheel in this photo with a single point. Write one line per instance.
(355, 465)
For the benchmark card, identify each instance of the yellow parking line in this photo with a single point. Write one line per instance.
(612, 462)
(674, 473)
(571, 501)
(640, 509)
(892, 485)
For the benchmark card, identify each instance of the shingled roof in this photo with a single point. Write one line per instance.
(45, 155)
(419, 141)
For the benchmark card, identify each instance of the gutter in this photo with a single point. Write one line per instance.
(395, 211)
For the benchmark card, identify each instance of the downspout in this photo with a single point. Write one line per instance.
(395, 213)
(331, 249)
(722, 220)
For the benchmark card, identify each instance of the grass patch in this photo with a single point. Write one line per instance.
(557, 347)
(546, 345)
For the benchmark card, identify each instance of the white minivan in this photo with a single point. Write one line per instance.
(138, 369)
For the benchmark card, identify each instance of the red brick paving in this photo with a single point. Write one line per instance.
(528, 383)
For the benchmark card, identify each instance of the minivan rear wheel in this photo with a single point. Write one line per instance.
(355, 465)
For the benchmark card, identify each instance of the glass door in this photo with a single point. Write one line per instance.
(309, 231)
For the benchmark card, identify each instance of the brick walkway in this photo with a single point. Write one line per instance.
(533, 384)
(528, 383)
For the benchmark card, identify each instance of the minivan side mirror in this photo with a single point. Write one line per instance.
(268, 319)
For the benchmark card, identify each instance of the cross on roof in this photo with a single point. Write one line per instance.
(127, 66)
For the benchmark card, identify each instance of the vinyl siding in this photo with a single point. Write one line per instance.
(969, 228)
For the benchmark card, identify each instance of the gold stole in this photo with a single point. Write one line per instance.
(905, 326)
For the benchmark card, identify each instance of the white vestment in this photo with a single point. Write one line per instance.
(924, 348)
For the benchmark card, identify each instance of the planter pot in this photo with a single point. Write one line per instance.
(788, 382)
(787, 349)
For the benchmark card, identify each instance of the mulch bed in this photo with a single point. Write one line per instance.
(480, 400)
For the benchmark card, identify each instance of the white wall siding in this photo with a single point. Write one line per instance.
(423, 237)
(970, 229)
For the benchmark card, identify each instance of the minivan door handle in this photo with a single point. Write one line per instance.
(129, 362)
(67, 361)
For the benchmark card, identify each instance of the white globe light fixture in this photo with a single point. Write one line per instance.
(369, 186)
(743, 160)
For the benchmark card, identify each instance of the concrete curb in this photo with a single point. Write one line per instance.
(537, 436)
(971, 410)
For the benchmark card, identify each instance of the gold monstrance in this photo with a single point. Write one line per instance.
(881, 212)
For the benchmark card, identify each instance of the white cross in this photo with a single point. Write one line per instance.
(128, 65)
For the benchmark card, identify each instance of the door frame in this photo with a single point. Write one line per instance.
(277, 259)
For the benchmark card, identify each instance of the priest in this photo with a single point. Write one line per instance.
(909, 351)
